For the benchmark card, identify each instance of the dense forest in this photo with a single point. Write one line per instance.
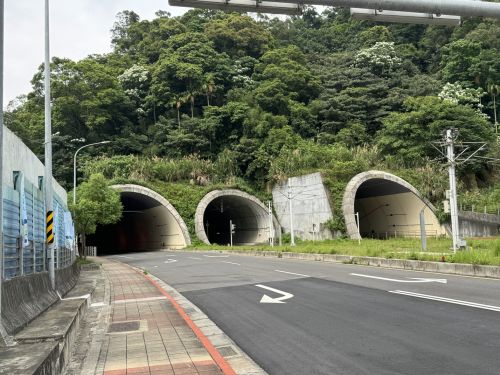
(214, 97)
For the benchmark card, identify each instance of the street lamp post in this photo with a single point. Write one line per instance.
(74, 164)
(48, 143)
(74, 177)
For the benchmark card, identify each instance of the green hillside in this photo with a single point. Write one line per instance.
(213, 99)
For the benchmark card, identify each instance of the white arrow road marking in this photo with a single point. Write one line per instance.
(170, 261)
(292, 273)
(266, 299)
(412, 279)
(236, 264)
(447, 300)
(216, 256)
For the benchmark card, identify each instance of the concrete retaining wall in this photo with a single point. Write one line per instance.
(476, 224)
(26, 297)
(310, 207)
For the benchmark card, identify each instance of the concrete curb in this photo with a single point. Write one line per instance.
(413, 265)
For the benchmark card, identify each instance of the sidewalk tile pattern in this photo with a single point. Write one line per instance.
(163, 345)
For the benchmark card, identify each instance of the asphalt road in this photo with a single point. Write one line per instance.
(341, 319)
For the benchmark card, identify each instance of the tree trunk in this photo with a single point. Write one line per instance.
(178, 117)
(79, 245)
(154, 111)
(495, 113)
(208, 100)
(84, 244)
(192, 106)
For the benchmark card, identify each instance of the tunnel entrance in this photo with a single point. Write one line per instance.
(148, 223)
(246, 212)
(387, 206)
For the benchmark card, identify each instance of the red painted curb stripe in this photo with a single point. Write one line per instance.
(218, 358)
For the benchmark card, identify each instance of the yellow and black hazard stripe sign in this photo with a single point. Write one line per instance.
(50, 226)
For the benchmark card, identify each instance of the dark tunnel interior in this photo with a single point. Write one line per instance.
(248, 217)
(145, 225)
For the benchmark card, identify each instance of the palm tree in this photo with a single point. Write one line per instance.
(209, 86)
(176, 101)
(190, 96)
(493, 90)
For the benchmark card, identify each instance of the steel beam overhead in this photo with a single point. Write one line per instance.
(242, 6)
(465, 8)
(405, 17)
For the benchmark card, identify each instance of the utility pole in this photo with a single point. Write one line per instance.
(292, 236)
(48, 143)
(232, 228)
(271, 231)
(450, 153)
(356, 215)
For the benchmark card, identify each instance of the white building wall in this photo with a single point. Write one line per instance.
(18, 157)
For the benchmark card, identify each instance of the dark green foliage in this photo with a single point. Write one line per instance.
(212, 98)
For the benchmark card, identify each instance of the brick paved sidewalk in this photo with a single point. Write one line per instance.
(146, 333)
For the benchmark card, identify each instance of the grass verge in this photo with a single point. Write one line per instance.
(480, 251)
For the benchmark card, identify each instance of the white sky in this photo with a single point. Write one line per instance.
(78, 28)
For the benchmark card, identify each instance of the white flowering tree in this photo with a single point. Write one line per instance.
(135, 82)
(380, 58)
(455, 93)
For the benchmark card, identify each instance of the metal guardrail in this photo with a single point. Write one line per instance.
(480, 209)
(90, 251)
(400, 234)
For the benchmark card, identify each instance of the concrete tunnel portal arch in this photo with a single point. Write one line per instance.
(246, 212)
(387, 206)
(149, 222)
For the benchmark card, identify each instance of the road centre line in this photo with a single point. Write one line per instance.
(123, 256)
(292, 273)
(216, 256)
(447, 300)
(236, 264)
(195, 258)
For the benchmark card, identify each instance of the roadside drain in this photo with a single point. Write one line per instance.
(226, 351)
(131, 326)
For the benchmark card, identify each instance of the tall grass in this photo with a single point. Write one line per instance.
(481, 251)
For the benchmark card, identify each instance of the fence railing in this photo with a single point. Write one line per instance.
(21, 260)
(90, 251)
(479, 209)
(400, 234)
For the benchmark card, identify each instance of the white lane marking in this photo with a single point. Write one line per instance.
(170, 261)
(236, 264)
(411, 279)
(266, 299)
(170, 255)
(98, 304)
(123, 256)
(292, 273)
(85, 296)
(216, 256)
(194, 258)
(447, 300)
(145, 299)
